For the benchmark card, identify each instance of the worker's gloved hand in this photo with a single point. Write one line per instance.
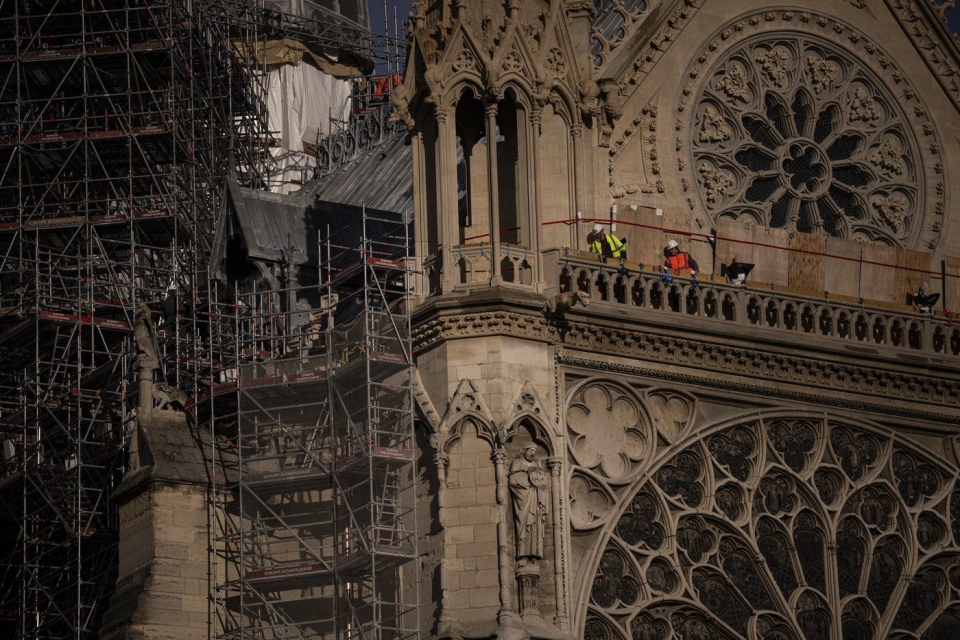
(693, 273)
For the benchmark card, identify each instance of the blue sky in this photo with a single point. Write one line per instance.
(376, 14)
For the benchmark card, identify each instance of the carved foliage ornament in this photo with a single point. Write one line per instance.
(795, 130)
(731, 536)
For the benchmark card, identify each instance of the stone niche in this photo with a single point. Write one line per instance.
(469, 520)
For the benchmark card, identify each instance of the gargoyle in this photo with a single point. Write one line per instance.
(166, 395)
(400, 101)
(558, 305)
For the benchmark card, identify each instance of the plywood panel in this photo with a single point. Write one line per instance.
(914, 271)
(640, 227)
(807, 262)
(876, 279)
(951, 288)
(770, 255)
(841, 271)
(732, 239)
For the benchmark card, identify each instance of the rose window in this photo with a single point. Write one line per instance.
(782, 527)
(794, 134)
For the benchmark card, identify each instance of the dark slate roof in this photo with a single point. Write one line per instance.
(273, 225)
(278, 228)
(381, 179)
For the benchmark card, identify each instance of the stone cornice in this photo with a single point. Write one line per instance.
(739, 358)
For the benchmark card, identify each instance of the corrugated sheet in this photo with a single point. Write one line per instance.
(282, 228)
(380, 179)
(274, 225)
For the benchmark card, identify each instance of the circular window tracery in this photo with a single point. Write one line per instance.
(792, 131)
(799, 527)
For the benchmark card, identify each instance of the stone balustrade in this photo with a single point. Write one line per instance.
(764, 306)
(472, 264)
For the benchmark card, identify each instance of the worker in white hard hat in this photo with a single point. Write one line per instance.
(607, 245)
(680, 263)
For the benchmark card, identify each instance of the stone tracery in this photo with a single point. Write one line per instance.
(811, 138)
(789, 513)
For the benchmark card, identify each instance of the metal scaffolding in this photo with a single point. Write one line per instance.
(120, 122)
(312, 413)
(116, 131)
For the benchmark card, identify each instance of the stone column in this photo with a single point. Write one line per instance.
(534, 216)
(506, 596)
(493, 188)
(555, 465)
(576, 180)
(420, 235)
(447, 198)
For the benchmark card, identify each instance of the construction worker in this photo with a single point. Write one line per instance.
(606, 245)
(680, 263)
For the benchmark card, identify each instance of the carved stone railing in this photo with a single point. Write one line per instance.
(364, 131)
(765, 307)
(473, 263)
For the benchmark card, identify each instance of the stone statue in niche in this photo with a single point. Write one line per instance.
(529, 488)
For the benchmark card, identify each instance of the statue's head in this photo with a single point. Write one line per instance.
(529, 451)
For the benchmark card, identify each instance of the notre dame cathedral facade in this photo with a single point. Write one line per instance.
(618, 452)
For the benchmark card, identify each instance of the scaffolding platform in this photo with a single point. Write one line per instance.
(321, 448)
(114, 123)
(302, 576)
(287, 480)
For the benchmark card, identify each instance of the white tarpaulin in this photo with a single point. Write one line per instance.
(302, 102)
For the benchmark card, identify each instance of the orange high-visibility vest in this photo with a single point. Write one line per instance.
(679, 262)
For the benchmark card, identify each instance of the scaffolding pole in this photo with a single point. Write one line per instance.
(312, 415)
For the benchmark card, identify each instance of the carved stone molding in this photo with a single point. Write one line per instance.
(811, 397)
(742, 361)
(483, 323)
(527, 403)
(641, 131)
(919, 27)
(648, 56)
(466, 403)
(615, 27)
(424, 403)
